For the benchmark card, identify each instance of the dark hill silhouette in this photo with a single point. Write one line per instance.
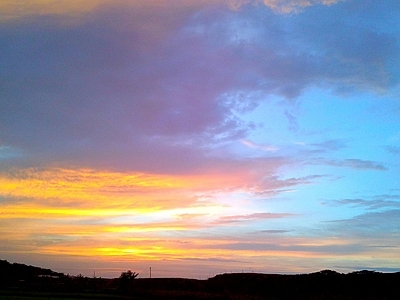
(19, 279)
(15, 271)
(326, 284)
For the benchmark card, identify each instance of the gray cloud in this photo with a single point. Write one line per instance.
(373, 204)
(293, 124)
(394, 150)
(140, 89)
(329, 145)
(372, 225)
(354, 163)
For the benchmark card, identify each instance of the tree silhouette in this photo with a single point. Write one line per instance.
(126, 280)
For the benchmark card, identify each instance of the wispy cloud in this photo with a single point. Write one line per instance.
(394, 150)
(283, 6)
(377, 226)
(330, 145)
(371, 204)
(253, 145)
(272, 231)
(253, 217)
(293, 125)
(355, 163)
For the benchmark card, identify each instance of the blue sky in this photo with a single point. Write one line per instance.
(200, 137)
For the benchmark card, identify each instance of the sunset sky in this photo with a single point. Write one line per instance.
(199, 137)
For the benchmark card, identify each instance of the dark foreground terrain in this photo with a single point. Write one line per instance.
(23, 282)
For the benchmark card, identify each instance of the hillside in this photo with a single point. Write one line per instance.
(21, 280)
(15, 271)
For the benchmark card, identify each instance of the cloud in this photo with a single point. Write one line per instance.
(393, 150)
(296, 248)
(126, 100)
(355, 163)
(283, 6)
(293, 124)
(374, 226)
(253, 145)
(274, 185)
(252, 217)
(329, 145)
(272, 231)
(114, 96)
(373, 204)
(190, 216)
(89, 193)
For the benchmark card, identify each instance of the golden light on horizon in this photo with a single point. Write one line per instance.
(127, 214)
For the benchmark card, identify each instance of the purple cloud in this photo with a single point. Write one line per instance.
(138, 88)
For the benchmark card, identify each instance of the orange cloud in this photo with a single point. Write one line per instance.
(87, 189)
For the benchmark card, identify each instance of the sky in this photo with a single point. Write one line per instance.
(200, 137)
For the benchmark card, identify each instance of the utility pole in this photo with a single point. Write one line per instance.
(150, 272)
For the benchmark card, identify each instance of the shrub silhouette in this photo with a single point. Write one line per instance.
(126, 280)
